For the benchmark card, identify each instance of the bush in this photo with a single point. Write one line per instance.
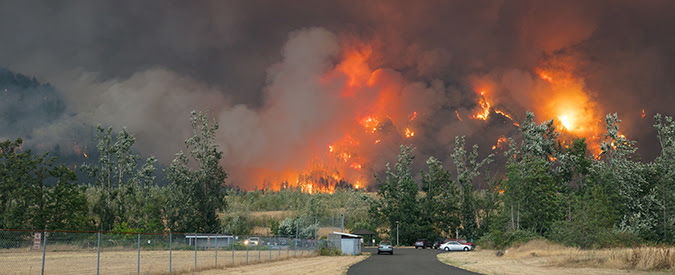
(500, 240)
(329, 251)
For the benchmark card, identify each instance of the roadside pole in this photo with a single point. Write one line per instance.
(44, 250)
(98, 253)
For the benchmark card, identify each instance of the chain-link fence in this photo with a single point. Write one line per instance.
(61, 252)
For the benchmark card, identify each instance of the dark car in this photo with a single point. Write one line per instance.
(439, 242)
(423, 243)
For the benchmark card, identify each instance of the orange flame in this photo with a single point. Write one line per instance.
(460, 119)
(500, 143)
(484, 111)
(507, 116)
(409, 133)
(370, 124)
(375, 101)
(413, 116)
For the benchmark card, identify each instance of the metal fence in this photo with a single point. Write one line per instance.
(61, 252)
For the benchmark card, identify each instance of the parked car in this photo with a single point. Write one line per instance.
(252, 241)
(463, 241)
(455, 246)
(439, 242)
(423, 243)
(385, 247)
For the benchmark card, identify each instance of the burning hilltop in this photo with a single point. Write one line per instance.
(349, 115)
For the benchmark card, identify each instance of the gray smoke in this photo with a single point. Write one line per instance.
(146, 65)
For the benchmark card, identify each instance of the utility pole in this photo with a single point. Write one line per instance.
(397, 233)
(343, 222)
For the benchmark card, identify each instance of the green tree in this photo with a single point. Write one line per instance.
(195, 194)
(118, 181)
(28, 200)
(440, 205)
(467, 169)
(665, 170)
(398, 197)
(625, 180)
(531, 195)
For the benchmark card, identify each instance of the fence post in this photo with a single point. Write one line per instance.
(232, 249)
(44, 250)
(259, 245)
(195, 251)
(138, 270)
(246, 252)
(216, 249)
(270, 248)
(295, 247)
(98, 253)
(170, 240)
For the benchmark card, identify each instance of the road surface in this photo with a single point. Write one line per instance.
(405, 261)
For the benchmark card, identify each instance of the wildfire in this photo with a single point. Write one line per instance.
(507, 116)
(565, 122)
(643, 113)
(484, 111)
(78, 149)
(567, 100)
(409, 133)
(500, 143)
(413, 116)
(457, 113)
(370, 124)
(378, 111)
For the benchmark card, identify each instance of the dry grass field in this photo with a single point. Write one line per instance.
(328, 265)
(542, 257)
(21, 261)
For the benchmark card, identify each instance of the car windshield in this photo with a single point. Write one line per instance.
(385, 243)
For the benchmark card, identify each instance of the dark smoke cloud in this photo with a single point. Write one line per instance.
(146, 64)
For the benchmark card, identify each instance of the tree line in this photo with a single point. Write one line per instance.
(121, 193)
(550, 190)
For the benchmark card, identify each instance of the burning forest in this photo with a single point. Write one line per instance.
(322, 99)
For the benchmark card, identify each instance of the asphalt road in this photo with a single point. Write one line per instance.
(405, 261)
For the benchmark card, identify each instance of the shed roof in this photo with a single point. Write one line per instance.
(347, 235)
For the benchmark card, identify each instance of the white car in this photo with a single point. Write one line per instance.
(252, 241)
(455, 245)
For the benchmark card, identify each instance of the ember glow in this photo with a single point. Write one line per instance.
(501, 142)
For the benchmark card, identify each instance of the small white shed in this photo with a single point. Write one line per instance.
(349, 244)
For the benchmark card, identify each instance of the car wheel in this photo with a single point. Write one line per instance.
(391, 253)
(378, 252)
(416, 247)
(466, 249)
(424, 247)
(447, 249)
